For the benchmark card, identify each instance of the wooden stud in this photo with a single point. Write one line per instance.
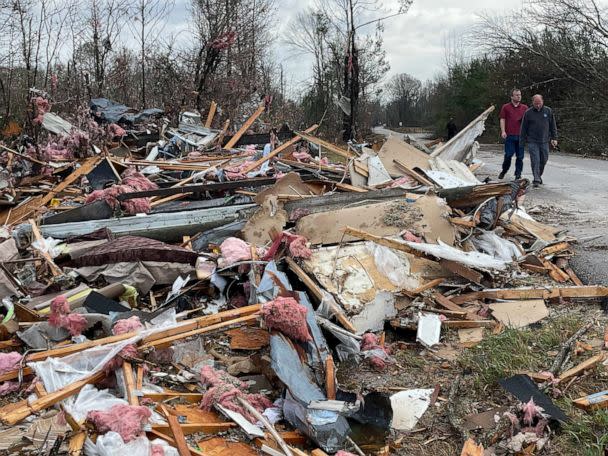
(582, 367)
(127, 371)
(278, 150)
(416, 175)
(330, 378)
(178, 434)
(327, 145)
(594, 401)
(447, 303)
(76, 444)
(55, 270)
(211, 114)
(230, 144)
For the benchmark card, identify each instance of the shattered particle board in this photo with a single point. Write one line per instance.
(247, 338)
(523, 222)
(396, 149)
(290, 184)
(327, 227)
(518, 314)
(267, 218)
(362, 287)
(218, 446)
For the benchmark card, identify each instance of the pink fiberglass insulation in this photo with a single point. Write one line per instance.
(127, 353)
(234, 250)
(133, 181)
(411, 237)
(8, 387)
(344, 453)
(56, 152)
(42, 107)
(378, 353)
(287, 316)
(9, 361)
(127, 420)
(60, 317)
(299, 249)
(116, 130)
(127, 325)
(157, 450)
(302, 156)
(237, 172)
(406, 181)
(225, 391)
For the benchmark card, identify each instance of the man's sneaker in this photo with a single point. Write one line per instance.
(541, 181)
(536, 184)
(517, 177)
(502, 175)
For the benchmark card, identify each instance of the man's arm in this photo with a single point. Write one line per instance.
(523, 132)
(552, 127)
(503, 133)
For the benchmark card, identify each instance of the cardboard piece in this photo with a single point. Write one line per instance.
(518, 314)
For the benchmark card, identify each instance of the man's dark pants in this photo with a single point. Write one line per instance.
(513, 147)
(539, 154)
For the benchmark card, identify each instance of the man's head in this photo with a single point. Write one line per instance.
(537, 101)
(516, 96)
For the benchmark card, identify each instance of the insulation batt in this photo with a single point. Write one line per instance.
(42, 107)
(369, 342)
(344, 453)
(287, 316)
(8, 387)
(115, 130)
(9, 361)
(304, 157)
(127, 353)
(296, 243)
(127, 325)
(127, 420)
(225, 391)
(234, 250)
(61, 317)
(132, 181)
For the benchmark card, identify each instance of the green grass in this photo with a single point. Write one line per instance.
(515, 350)
(585, 435)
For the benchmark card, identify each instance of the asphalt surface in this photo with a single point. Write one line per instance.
(574, 196)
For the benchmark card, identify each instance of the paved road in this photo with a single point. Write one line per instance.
(574, 197)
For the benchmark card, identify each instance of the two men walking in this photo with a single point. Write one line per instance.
(536, 128)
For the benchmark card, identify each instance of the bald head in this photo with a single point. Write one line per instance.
(537, 101)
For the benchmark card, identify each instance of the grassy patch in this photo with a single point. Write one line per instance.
(515, 350)
(585, 434)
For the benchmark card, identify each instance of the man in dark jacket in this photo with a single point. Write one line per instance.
(537, 130)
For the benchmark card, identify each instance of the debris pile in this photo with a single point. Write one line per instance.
(171, 289)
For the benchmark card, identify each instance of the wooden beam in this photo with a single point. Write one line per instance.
(55, 270)
(211, 114)
(330, 378)
(75, 447)
(586, 291)
(194, 428)
(582, 367)
(391, 243)
(594, 401)
(178, 434)
(278, 150)
(427, 286)
(127, 371)
(327, 145)
(413, 174)
(25, 210)
(469, 324)
(15, 416)
(230, 144)
(463, 271)
(446, 302)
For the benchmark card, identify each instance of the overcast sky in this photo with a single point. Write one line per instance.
(414, 42)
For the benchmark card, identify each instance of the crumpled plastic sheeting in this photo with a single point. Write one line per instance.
(471, 259)
(225, 391)
(126, 420)
(90, 398)
(494, 245)
(395, 268)
(61, 317)
(111, 444)
(287, 316)
(127, 325)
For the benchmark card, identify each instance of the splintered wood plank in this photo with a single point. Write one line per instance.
(330, 377)
(594, 401)
(470, 448)
(171, 441)
(194, 414)
(75, 447)
(327, 145)
(462, 270)
(582, 367)
(55, 270)
(574, 277)
(130, 381)
(587, 291)
(248, 338)
(211, 114)
(218, 446)
(188, 397)
(195, 428)
(447, 303)
(230, 144)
